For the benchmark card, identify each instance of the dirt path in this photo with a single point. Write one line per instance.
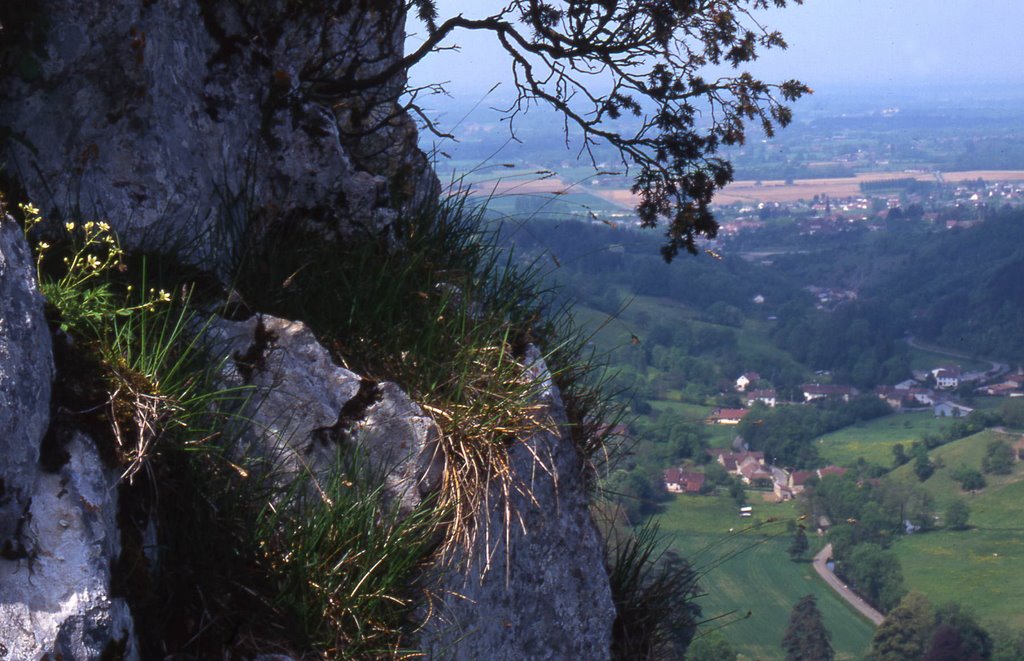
(846, 593)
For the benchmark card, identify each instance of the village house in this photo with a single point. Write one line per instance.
(1011, 387)
(754, 473)
(746, 380)
(946, 378)
(766, 397)
(815, 391)
(950, 410)
(673, 478)
(783, 492)
(895, 397)
(680, 481)
(923, 396)
(798, 479)
(732, 461)
(722, 416)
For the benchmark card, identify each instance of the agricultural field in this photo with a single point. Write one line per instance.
(749, 570)
(978, 567)
(873, 440)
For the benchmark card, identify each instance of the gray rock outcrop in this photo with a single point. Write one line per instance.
(189, 124)
(303, 407)
(543, 593)
(543, 596)
(60, 531)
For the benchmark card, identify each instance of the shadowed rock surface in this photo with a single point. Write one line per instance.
(60, 531)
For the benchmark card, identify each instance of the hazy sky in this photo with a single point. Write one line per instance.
(832, 43)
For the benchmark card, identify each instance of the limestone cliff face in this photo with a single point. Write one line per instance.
(190, 123)
(193, 126)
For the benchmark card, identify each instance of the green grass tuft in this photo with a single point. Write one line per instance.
(442, 310)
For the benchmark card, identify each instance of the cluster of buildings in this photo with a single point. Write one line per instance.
(750, 467)
(913, 394)
(928, 389)
(953, 206)
(770, 398)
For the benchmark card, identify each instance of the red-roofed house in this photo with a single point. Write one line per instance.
(798, 480)
(727, 416)
(692, 482)
(673, 480)
(680, 481)
(1005, 389)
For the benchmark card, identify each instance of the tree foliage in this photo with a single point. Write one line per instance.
(876, 574)
(634, 74)
(970, 479)
(998, 458)
(711, 647)
(957, 514)
(905, 631)
(899, 455)
(806, 636)
(971, 641)
(923, 466)
(799, 546)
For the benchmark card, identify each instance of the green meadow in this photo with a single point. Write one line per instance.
(873, 440)
(979, 567)
(748, 569)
